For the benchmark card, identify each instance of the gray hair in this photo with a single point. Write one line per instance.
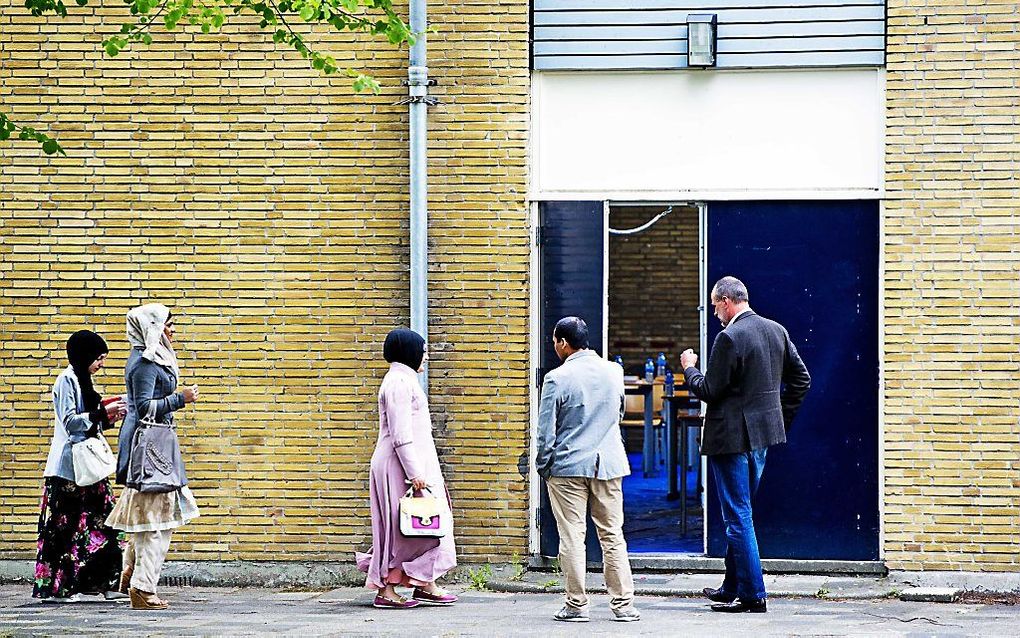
(731, 288)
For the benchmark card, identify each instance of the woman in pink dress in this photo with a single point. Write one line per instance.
(405, 455)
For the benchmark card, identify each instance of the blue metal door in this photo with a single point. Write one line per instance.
(572, 261)
(813, 267)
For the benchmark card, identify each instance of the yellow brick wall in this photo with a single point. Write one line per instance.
(268, 206)
(952, 249)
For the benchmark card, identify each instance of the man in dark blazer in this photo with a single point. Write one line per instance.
(748, 410)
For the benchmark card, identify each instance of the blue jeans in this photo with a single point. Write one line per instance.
(736, 480)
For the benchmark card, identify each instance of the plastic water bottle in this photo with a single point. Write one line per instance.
(649, 370)
(619, 360)
(669, 383)
(660, 367)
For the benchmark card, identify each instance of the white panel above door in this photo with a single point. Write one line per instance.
(710, 135)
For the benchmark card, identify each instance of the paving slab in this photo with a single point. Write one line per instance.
(680, 584)
(206, 611)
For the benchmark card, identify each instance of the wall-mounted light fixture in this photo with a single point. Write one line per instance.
(701, 31)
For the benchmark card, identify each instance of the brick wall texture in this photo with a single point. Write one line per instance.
(268, 206)
(653, 285)
(952, 246)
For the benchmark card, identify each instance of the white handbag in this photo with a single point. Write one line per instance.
(93, 460)
(424, 516)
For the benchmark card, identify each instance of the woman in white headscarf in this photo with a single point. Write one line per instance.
(152, 375)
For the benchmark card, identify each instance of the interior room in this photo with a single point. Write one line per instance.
(654, 295)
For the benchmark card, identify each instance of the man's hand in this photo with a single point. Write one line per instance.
(688, 359)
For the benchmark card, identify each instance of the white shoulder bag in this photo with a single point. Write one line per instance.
(93, 460)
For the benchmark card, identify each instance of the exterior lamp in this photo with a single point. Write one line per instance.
(701, 31)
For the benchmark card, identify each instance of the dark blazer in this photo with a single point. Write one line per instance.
(150, 392)
(750, 361)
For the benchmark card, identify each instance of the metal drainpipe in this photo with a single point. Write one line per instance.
(418, 100)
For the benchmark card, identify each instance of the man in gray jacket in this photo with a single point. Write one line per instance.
(581, 456)
(754, 385)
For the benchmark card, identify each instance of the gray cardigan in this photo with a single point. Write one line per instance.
(579, 420)
(151, 390)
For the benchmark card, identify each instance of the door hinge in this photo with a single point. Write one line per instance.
(539, 235)
(539, 376)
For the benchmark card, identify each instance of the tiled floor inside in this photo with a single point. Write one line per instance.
(651, 521)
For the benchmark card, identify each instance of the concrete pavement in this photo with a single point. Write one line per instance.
(206, 611)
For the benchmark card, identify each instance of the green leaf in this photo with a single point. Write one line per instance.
(50, 147)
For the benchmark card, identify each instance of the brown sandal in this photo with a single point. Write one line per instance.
(125, 581)
(144, 600)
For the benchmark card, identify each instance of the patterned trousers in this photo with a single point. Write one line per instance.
(145, 554)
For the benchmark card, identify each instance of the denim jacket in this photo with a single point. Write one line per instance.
(151, 392)
(70, 424)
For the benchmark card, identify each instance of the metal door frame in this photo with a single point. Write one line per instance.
(703, 305)
(535, 353)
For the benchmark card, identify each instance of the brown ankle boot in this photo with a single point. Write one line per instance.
(125, 580)
(144, 600)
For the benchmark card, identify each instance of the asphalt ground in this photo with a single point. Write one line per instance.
(209, 611)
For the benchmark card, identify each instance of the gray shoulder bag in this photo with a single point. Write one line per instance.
(155, 465)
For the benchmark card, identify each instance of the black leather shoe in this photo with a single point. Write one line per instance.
(740, 606)
(718, 595)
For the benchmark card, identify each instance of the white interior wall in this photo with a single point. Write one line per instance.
(805, 133)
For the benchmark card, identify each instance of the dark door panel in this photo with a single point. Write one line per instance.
(572, 257)
(812, 266)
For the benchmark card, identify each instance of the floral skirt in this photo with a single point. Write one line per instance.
(77, 551)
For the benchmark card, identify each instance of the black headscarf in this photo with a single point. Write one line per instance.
(404, 346)
(83, 348)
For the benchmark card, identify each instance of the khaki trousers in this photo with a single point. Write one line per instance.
(570, 498)
(146, 552)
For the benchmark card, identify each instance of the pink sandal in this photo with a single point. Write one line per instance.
(382, 602)
(434, 599)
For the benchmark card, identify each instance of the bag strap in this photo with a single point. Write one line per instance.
(150, 414)
(410, 492)
(149, 420)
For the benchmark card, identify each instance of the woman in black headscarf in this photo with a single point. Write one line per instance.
(77, 553)
(405, 454)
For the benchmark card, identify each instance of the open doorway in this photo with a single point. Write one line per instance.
(812, 266)
(654, 294)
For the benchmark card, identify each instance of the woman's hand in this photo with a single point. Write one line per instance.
(418, 483)
(116, 410)
(190, 394)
